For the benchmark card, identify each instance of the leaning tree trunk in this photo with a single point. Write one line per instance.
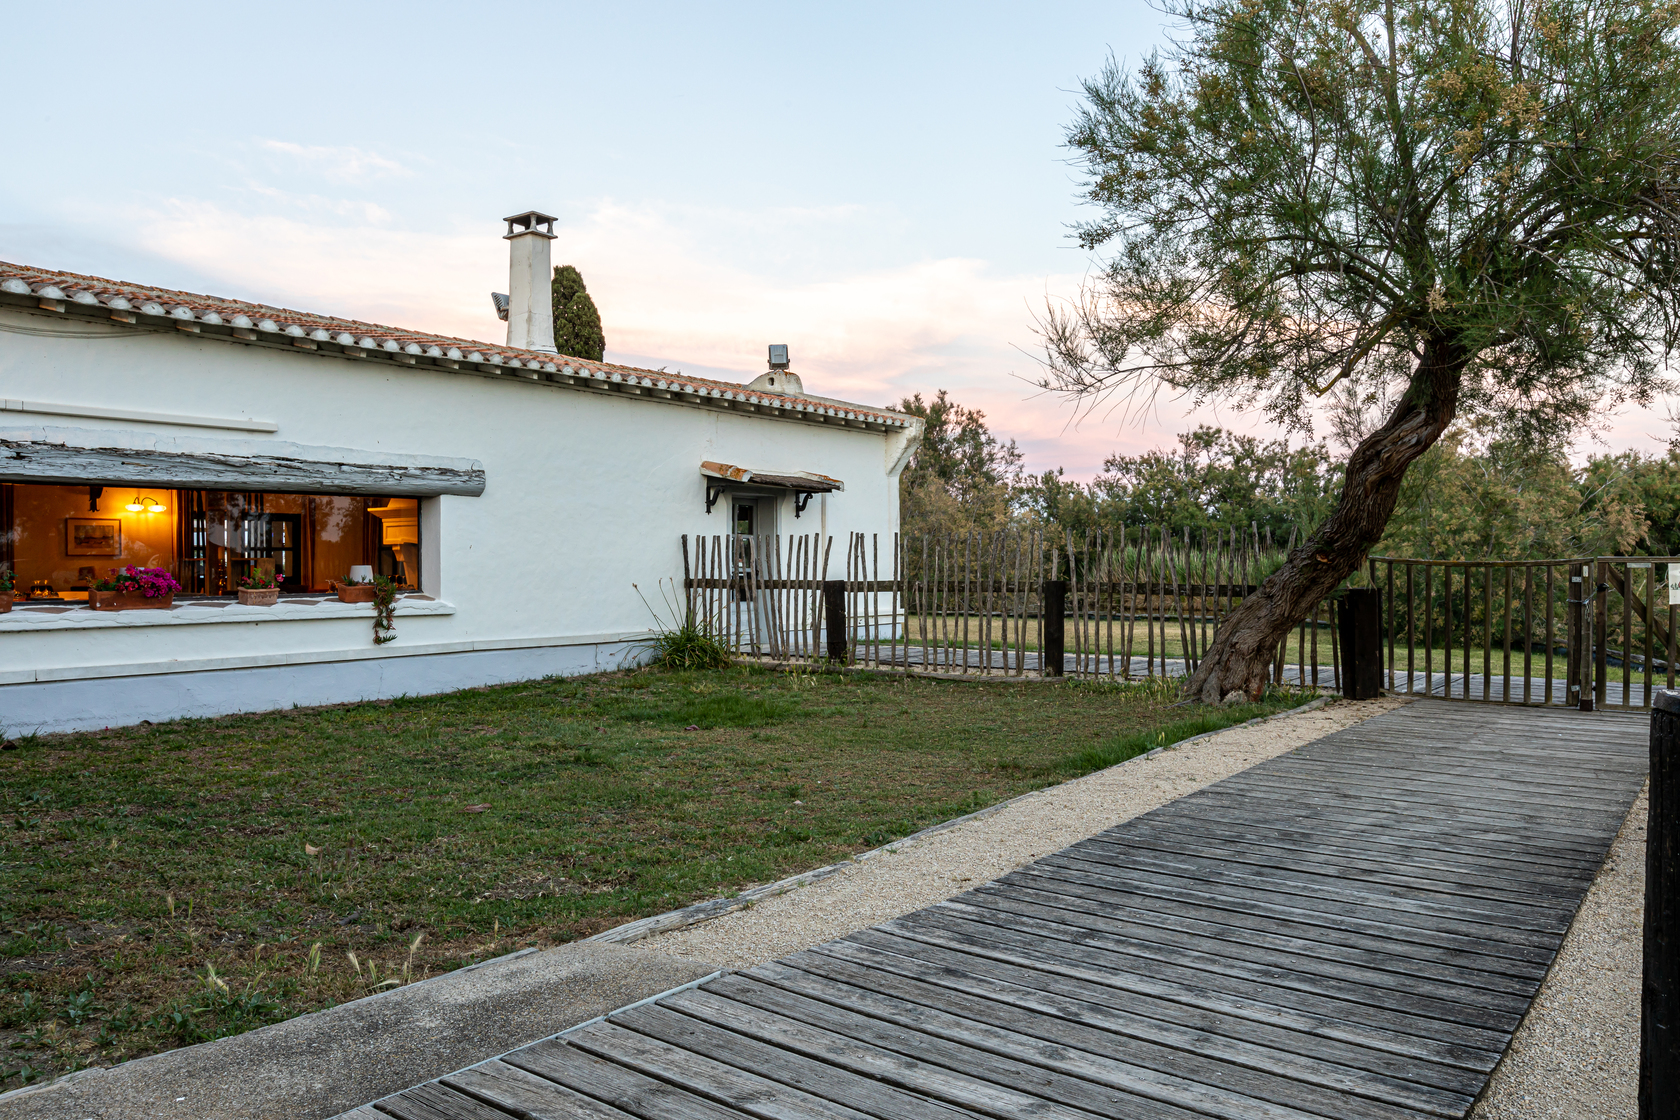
(1240, 656)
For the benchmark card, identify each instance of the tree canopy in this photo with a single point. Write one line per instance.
(1475, 495)
(1305, 192)
(1213, 478)
(961, 477)
(1474, 202)
(577, 324)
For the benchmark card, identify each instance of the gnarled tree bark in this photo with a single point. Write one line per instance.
(1240, 656)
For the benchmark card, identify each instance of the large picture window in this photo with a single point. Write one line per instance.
(58, 540)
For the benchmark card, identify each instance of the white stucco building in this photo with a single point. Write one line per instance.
(516, 493)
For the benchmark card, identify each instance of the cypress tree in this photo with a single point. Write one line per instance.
(577, 324)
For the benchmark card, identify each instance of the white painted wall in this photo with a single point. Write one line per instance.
(587, 492)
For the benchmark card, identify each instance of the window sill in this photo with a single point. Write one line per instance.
(47, 616)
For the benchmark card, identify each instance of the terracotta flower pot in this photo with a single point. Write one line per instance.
(356, 592)
(258, 596)
(118, 601)
(5, 601)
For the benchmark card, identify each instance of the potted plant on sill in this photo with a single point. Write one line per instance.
(259, 590)
(7, 582)
(132, 588)
(356, 591)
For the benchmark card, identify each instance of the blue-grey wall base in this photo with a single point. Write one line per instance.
(93, 704)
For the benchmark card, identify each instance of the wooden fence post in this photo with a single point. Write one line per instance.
(1052, 604)
(834, 618)
(1659, 1046)
(1360, 621)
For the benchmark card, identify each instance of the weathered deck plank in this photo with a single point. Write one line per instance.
(1351, 931)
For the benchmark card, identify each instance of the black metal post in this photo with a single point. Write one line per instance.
(1659, 1047)
(1578, 696)
(834, 619)
(1054, 602)
(1359, 618)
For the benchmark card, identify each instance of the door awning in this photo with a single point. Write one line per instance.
(721, 476)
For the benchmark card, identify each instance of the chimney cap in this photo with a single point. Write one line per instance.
(778, 355)
(528, 223)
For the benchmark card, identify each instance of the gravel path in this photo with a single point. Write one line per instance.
(1577, 1052)
(951, 862)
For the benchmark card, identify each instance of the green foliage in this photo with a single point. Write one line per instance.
(720, 709)
(689, 645)
(577, 324)
(684, 643)
(272, 847)
(1469, 497)
(1509, 501)
(217, 1012)
(1300, 193)
(1651, 483)
(33, 938)
(1214, 478)
(960, 478)
(384, 610)
(1129, 745)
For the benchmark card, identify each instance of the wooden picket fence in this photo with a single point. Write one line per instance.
(764, 595)
(1132, 604)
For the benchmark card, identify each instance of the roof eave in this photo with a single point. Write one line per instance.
(67, 304)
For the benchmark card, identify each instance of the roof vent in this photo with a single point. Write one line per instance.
(780, 379)
(500, 299)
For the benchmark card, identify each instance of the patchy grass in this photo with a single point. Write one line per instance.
(161, 886)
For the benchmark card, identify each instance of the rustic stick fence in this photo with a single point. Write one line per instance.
(1142, 603)
(1136, 603)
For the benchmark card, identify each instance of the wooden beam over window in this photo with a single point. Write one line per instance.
(40, 462)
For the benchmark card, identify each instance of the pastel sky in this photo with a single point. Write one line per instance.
(879, 185)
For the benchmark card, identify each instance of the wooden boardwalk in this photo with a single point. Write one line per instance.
(1352, 931)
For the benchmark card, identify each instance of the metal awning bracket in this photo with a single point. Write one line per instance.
(719, 476)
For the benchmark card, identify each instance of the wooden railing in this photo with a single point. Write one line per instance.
(1521, 632)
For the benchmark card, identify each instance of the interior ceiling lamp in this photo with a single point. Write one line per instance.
(149, 505)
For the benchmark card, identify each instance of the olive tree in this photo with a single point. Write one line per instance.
(1473, 203)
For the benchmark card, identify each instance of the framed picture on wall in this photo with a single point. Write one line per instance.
(92, 536)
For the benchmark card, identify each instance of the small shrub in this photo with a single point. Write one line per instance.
(687, 645)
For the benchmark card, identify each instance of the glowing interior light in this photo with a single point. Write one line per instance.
(135, 506)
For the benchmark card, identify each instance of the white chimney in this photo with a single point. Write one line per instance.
(530, 298)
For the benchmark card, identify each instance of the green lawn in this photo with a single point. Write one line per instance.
(165, 885)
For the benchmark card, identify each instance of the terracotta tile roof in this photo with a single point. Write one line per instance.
(259, 323)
